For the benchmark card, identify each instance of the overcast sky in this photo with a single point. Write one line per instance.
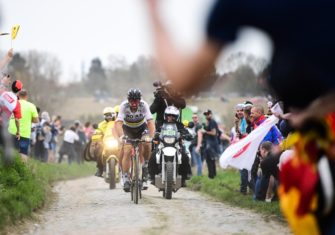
(77, 31)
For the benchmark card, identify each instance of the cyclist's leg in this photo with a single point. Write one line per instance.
(127, 148)
(126, 161)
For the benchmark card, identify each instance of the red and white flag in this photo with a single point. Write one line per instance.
(241, 155)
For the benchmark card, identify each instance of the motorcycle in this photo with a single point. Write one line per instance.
(110, 161)
(169, 157)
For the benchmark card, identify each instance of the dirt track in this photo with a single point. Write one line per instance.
(87, 206)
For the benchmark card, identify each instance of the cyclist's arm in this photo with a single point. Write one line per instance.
(118, 129)
(151, 128)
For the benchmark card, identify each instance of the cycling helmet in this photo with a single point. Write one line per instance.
(134, 94)
(108, 110)
(172, 111)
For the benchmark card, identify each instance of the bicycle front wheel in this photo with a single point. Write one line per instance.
(135, 181)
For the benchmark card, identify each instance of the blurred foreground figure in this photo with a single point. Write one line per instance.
(302, 76)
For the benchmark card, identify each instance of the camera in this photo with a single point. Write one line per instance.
(160, 91)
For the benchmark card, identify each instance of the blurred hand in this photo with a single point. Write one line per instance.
(17, 135)
(10, 53)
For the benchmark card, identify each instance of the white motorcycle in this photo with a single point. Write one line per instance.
(169, 157)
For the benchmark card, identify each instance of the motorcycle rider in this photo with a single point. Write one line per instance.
(171, 115)
(105, 128)
(134, 120)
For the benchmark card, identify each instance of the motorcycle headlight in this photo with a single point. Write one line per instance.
(169, 140)
(111, 143)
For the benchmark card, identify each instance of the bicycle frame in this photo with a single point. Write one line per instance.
(136, 184)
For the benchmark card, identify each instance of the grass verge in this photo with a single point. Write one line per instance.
(225, 188)
(24, 188)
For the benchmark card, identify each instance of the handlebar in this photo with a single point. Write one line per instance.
(126, 139)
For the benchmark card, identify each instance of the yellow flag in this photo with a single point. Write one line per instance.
(15, 30)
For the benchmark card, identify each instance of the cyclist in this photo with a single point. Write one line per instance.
(134, 120)
(171, 115)
(105, 128)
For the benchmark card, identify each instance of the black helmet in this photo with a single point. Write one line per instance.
(134, 94)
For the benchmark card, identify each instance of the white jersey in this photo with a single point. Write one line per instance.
(134, 119)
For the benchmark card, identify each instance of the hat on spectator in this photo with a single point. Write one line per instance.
(17, 86)
(208, 111)
(239, 106)
(247, 104)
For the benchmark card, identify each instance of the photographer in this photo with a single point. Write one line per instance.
(165, 96)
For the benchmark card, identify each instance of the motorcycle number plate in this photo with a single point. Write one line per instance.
(169, 132)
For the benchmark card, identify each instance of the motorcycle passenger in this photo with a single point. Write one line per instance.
(171, 115)
(105, 128)
(135, 121)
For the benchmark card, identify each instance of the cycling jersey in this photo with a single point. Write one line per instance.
(134, 119)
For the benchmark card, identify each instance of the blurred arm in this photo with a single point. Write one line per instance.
(6, 59)
(188, 73)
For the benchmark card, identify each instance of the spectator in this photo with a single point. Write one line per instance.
(45, 117)
(55, 126)
(247, 127)
(29, 116)
(257, 116)
(47, 135)
(196, 144)
(268, 179)
(67, 148)
(210, 133)
(33, 135)
(39, 139)
(9, 105)
(239, 123)
(89, 130)
(224, 138)
(80, 145)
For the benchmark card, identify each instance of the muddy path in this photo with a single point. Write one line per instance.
(87, 206)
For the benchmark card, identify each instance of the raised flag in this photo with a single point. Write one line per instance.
(241, 155)
(15, 30)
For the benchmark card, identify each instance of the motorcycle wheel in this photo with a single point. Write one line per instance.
(112, 177)
(169, 180)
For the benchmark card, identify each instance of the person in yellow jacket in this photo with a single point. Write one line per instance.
(105, 129)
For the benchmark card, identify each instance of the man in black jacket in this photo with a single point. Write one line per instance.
(164, 97)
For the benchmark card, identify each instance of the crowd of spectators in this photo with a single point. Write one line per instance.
(211, 139)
